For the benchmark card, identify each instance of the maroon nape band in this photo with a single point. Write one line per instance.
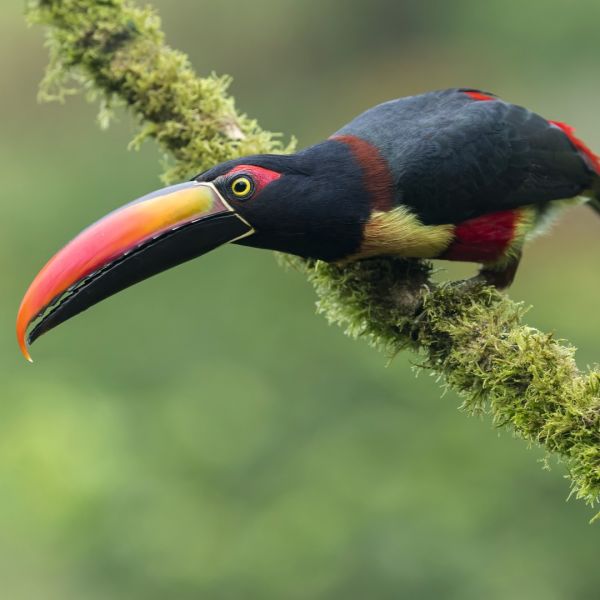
(377, 177)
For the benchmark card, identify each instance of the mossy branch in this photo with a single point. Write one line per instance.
(112, 49)
(472, 337)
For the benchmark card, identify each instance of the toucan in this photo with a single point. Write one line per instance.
(455, 174)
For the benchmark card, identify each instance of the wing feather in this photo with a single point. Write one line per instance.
(454, 157)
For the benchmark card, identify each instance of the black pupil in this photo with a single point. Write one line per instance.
(241, 186)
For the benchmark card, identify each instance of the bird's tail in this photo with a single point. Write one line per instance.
(592, 160)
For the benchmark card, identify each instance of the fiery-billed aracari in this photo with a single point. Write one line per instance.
(456, 174)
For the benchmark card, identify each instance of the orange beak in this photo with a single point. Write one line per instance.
(134, 242)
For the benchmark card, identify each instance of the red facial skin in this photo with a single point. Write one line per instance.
(262, 177)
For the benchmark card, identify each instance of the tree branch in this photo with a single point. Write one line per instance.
(473, 337)
(112, 49)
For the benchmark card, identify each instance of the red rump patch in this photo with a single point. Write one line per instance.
(480, 96)
(262, 177)
(483, 239)
(592, 158)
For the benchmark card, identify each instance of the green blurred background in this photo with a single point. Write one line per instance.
(153, 452)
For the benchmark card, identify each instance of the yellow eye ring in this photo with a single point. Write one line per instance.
(242, 187)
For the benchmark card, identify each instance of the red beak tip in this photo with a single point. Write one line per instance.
(25, 350)
(23, 345)
(26, 354)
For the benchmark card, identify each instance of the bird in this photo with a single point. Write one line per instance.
(456, 174)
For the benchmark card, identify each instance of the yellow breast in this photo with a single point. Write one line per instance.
(400, 233)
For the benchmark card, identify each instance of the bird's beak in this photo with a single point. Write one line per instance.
(134, 242)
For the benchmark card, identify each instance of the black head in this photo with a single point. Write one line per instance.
(313, 204)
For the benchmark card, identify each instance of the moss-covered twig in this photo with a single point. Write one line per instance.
(112, 48)
(473, 337)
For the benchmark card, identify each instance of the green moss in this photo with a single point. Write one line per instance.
(469, 335)
(472, 337)
(114, 50)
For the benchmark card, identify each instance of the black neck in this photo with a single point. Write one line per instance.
(317, 209)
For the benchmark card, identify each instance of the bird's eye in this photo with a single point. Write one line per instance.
(242, 187)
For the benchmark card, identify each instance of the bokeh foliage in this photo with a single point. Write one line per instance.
(262, 454)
